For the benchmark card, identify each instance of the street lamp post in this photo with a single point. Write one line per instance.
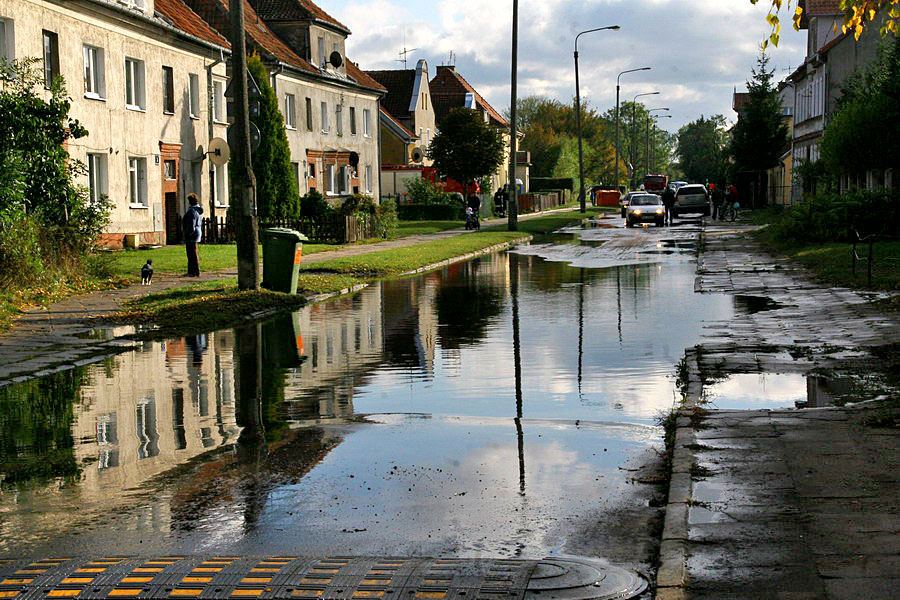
(578, 115)
(648, 133)
(652, 158)
(634, 136)
(617, 119)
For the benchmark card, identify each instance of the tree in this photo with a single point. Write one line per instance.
(277, 195)
(858, 15)
(759, 137)
(633, 141)
(701, 149)
(466, 148)
(864, 133)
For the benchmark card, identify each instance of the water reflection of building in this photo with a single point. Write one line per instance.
(154, 408)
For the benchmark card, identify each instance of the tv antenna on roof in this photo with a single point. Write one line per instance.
(451, 60)
(403, 54)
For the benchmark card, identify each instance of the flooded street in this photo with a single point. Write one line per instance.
(499, 407)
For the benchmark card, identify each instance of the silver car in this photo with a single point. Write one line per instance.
(691, 198)
(645, 208)
(626, 200)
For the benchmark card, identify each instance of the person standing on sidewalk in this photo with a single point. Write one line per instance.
(718, 198)
(192, 227)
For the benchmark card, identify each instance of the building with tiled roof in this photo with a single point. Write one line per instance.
(409, 102)
(451, 90)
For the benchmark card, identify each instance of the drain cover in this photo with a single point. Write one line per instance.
(581, 579)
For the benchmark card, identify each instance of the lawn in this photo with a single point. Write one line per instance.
(832, 263)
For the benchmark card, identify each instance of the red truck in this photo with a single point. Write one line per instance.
(655, 184)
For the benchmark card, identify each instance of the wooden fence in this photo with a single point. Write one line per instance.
(333, 229)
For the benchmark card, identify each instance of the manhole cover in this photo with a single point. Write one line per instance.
(581, 579)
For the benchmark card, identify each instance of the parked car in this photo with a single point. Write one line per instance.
(691, 198)
(677, 184)
(626, 199)
(645, 208)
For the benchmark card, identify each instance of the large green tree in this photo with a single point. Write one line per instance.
(701, 149)
(760, 134)
(633, 122)
(466, 148)
(277, 195)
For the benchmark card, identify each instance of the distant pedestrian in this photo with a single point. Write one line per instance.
(192, 227)
(668, 199)
(718, 198)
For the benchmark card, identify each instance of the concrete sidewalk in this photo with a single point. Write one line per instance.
(794, 504)
(56, 337)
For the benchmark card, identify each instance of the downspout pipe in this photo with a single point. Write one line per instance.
(210, 101)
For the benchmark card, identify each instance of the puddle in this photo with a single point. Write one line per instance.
(779, 390)
(748, 305)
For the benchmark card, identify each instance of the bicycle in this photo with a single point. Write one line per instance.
(730, 211)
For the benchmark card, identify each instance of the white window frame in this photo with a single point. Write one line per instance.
(51, 56)
(194, 95)
(321, 48)
(328, 179)
(290, 111)
(94, 72)
(137, 182)
(97, 176)
(7, 39)
(218, 100)
(296, 166)
(220, 185)
(168, 102)
(324, 107)
(135, 90)
(339, 119)
(342, 180)
(368, 178)
(367, 132)
(352, 120)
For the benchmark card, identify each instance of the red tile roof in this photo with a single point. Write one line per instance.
(362, 78)
(739, 100)
(295, 10)
(399, 84)
(823, 7)
(449, 89)
(403, 127)
(186, 20)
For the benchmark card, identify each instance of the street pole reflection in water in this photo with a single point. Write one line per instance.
(251, 445)
(580, 326)
(517, 363)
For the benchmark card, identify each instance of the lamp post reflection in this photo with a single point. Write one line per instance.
(251, 445)
(517, 363)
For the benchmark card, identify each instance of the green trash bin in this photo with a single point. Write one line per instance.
(282, 249)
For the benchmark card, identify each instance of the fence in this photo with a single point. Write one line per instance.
(331, 229)
(539, 202)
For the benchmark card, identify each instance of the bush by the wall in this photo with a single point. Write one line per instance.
(314, 205)
(540, 184)
(834, 217)
(386, 221)
(422, 191)
(430, 212)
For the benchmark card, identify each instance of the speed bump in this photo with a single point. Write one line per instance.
(311, 578)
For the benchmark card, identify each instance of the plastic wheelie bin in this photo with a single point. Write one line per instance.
(282, 250)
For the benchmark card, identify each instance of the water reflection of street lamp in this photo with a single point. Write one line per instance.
(648, 132)
(617, 119)
(517, 364)
(578, 114)
(634, 136)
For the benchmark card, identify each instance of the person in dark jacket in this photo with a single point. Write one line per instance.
(668, 199)
(192, 227)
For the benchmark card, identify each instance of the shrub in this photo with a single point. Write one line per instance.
(357, 204)
(314, 205)
(834, 217)
(422, 191)
(430, 212)
(386, 221)
(20, 251)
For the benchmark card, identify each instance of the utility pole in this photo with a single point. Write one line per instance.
(634, 142)
(617, 119)
(512, 216)
(243, 183)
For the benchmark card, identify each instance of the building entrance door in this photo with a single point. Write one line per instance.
(173, 219)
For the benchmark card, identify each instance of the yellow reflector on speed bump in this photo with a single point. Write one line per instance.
(243, 592)
(63, 593)
(196, 579)
(77, 580)
(186, 592)
(9, 593)
(124, 592)
(136, 580)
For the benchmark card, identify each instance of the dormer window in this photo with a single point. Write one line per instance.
(322, 57)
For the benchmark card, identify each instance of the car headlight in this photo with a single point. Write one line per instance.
(637, 211)
(659, 211)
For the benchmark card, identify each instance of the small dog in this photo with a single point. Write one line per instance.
(147, 273)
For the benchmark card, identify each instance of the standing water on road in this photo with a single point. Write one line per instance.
(492, 408)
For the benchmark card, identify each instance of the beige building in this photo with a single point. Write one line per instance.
(142, 86)
(148, 79)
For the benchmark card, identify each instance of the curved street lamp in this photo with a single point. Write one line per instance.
(634, 135)
(578, 114)
(617, 119)
(648, 132)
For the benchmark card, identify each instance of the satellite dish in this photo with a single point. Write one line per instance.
(219, 152)
(418, 155)
(335, 59)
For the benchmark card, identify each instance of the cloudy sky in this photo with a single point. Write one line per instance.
(699, 50)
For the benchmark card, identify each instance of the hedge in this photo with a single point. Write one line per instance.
(539, 184)
(429, 212)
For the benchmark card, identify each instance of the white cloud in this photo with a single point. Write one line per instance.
(700, 50)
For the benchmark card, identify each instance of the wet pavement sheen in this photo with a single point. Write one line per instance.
(492, 408)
